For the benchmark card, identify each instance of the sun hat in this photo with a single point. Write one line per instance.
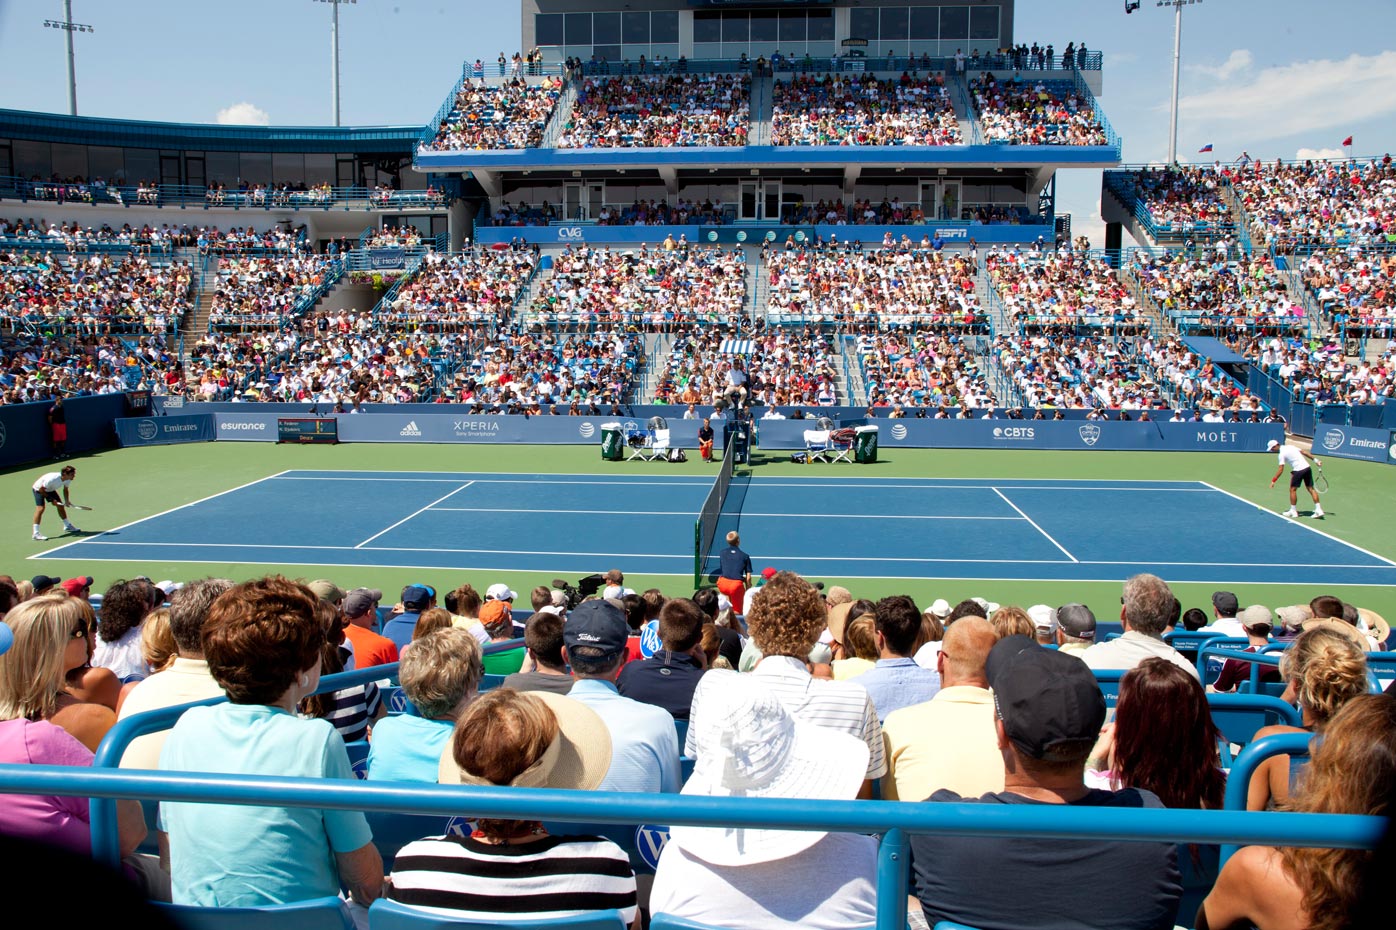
(1342, 627)
(748, 745)
(838, 621)
(579, 758)
(940, 607)
(1373, 624)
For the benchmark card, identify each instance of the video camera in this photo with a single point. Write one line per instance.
(584, 589)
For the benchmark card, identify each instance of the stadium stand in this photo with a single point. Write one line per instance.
(1042, 288)
(263, 291)
(505, 116)
(659, 111)
(93, 293)
(846, 285)
(1016, 112)
(934, 366)
(1212, 294)
(769, 365)
(863, 110)
(465, 290)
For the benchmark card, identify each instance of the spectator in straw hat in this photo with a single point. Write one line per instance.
(749, 745)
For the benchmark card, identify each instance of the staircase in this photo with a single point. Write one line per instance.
(562, 115)
(757, 286)
(958, 90)
(762, 98)
(848, 374)
(656, 348)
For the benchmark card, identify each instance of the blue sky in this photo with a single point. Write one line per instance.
(1272, 77)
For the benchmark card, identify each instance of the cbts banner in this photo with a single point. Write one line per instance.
(156, 431)
(1111, 435)
(1355, 442)
(453, 428)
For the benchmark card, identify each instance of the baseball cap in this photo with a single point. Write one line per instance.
(1076, 620)
(988, 606)
(1226, 603)
(325, 590)
(74, 585)
(499, 592)
(1272, 444)
(361, 599)
(940, 607)
(495, 611)
(417, 595)
(168, 587)
(1256, 616)
(600, 624)
(1044, 697)
(768, 572)
(43, 582)
(1044, 618)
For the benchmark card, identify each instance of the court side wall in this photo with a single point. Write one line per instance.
(24, 431)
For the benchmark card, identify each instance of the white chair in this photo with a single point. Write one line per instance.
(653, 441)
(818, 446)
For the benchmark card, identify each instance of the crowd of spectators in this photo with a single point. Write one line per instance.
(43, 367)
(1211, 293)
(659, 111)
(856, 109)
(651, 287)
(468, 289)
(93, 293)
(75, 237)
(1041, 287)
(771, 366)
(1078, 369)
(265, 291)
(935, 367)
(883, 285)
(1198, 383)
(550, 372)
(511, 115)
(405, 236)
(806, 694)
(1318, 372)
(1317, 204)
(1180, 199)
(1015, 112)
(1355, 287)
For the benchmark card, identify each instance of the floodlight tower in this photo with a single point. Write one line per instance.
(1177, 58)
(334, 51)
(70, 27)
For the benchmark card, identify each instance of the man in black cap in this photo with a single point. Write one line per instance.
(42, 583)
(416, 598)
(1049, 711)
(644, 742)
(1075, 628)
(1224, 608)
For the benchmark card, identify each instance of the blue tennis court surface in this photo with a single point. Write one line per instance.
(1020, 529)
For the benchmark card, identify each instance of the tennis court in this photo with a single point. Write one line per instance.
(569, 524)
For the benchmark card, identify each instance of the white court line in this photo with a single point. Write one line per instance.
(689, 513)
(675, 482)
(413, 514)
(96, 537)
(361, 548)
(1218, 582)
(1035, 526)
(1302, 523)
(851, 486)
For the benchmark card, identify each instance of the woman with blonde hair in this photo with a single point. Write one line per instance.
(1012, 621)
(38, 727)
(1323, 670)
(437, 618)
(1294, 888)
(52, 638)
(157, 640)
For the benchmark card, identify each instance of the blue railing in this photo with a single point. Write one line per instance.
(1121, 183)
(895, 821)
(185, 196)
(1112, 138)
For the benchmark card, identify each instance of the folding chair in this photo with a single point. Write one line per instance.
(818, 446)
(841, 445)
(650, 443)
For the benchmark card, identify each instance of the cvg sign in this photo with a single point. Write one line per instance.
(569, 232)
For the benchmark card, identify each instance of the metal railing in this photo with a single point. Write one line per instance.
(1121, 184)
(185, 196)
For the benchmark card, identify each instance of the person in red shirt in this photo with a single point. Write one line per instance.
(361, 611)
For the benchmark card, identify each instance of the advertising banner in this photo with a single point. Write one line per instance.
(1353, 442)
(155, 431)
(953, 233)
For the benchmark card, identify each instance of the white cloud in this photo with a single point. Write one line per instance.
(1307, 154)
(1298, 98)
(243, 114)
(1239, 61)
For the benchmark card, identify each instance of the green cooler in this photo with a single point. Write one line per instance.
(612, 442)
(865, 445)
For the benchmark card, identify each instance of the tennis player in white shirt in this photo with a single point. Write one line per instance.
(1299, 473)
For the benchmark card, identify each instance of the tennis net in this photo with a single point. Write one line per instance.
(705, 528)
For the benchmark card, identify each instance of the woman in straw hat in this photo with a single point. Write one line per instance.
(531, 739)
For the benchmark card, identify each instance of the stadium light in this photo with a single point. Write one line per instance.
(70, 27)
(334, 52)
(1177, 58)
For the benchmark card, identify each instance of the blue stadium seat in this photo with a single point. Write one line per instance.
(316, 914)
(1239, 716)
(393, 830)
(642, 844)
(358, 757)
(490, 682)
(1109, 681)
(389, 915)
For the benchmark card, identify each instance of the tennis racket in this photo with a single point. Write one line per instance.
(77, 506)
(1320, 481)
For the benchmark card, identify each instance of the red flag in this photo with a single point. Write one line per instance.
(1347, 141)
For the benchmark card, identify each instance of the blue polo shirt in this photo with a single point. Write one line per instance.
(399, 628)
(644, 743)
(667, 680)
(733, 563)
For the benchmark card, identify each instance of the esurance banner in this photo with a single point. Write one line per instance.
(1105, 435)
(1355, 442)
(154, 431)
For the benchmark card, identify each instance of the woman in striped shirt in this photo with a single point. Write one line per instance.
(515, 868)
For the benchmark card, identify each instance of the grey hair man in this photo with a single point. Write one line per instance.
(187, 679)
(1146, 608)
